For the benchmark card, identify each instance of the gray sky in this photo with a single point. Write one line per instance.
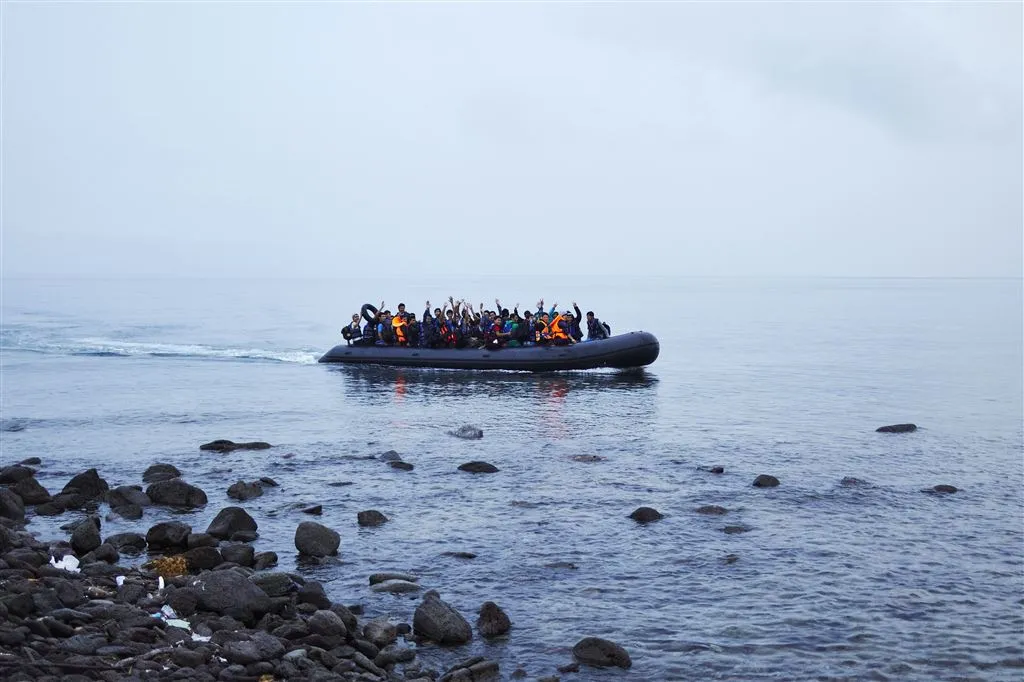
(444, 138)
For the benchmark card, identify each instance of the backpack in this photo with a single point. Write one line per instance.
(607, 328)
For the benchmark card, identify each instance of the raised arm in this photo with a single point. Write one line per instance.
(576, 308)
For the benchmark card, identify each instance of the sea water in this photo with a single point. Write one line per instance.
(831, 579)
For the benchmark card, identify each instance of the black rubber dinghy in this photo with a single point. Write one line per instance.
(633, 349)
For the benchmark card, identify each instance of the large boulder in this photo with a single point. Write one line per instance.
(601, 653)
(493, 621)
(765, 481)
(230, 520)
(242, 491)
(86, 536)
(314, 539)
(160, 472)
(11, 506)
(439, 622)
(175, 492)
(127, 495)
(31, 491)
(168, 535)
(231, 593)
(87, 484)
(127, 542)
(15, 473)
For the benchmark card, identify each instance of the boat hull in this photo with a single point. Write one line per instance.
(634, 349)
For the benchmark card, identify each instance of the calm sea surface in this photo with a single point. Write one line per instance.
(876, 580)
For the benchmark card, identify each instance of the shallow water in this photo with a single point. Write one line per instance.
(872, 580)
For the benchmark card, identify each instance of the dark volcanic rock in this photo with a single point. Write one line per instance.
(646, 515)
(371, 517)
(86, 536)
(943, 488)
(712, 509)
(897, 428)
(131, 512)
(238, 553)
(88, 484)
(202, 540)
(229, 520)
(105, 552)
(716, 470)
(126, 542)
(315, 511)
(314, 539)
(127, 495)
(401, 466)
(168, 535)
(439, 622)
(175, 492)
(203, 558)
(222, 445)
(160, 472)
(30, 491)
(735, 530)
(231, 593)
(241, 491)
(390, 456)
(493, 622)
(468, 432)
(601, 652)
(478, 468)
(765, 481)
(15, 473)
(11, 506)
(264, 560)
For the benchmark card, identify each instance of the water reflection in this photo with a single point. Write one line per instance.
(401, 383)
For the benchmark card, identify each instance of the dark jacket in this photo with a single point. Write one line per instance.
(596, 330)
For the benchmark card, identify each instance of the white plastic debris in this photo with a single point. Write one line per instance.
(178, 623)
(119, 580)
(199, 638)
(68, 563)
(160, 583)
(168, 612)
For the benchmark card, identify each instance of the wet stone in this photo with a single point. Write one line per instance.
(371, 518)
(646, 515)
(477, 467)
(765, 481)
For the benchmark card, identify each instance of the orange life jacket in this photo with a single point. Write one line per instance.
(398, 324)
(555, 330)
(448, 334)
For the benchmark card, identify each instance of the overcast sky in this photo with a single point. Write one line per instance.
(342, 139)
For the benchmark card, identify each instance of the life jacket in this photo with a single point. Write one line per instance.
(399, 328)
(448, 334)
(555, 330)
(370, 332)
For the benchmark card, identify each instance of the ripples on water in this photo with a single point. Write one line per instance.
(866, 580)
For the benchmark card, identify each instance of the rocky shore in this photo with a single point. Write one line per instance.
(176, 603)
(173, 602)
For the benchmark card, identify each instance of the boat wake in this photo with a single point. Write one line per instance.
(111, 348)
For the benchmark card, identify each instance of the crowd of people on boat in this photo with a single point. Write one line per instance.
(456, 324)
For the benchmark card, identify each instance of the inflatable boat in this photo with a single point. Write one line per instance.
(633, 349)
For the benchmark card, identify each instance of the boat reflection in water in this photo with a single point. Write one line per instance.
(558, 406)
(433, 384)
